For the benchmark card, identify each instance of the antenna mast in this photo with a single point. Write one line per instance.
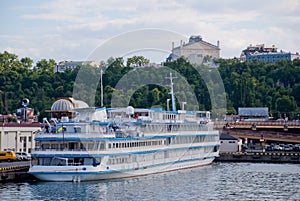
(101, 74)
(172, 91)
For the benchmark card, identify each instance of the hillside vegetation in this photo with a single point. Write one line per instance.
(247, 84)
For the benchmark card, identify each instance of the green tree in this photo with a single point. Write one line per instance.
(286, 104)
(45, 66)
(137, 61)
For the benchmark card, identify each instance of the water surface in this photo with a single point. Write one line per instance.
(219, 181)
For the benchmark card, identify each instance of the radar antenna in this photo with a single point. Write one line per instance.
(172, 91)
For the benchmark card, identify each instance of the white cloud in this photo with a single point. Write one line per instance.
(66, 29)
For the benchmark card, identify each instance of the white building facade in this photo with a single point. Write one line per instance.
(230, 143)
(195, 48)
(64, 65)
(18, 137)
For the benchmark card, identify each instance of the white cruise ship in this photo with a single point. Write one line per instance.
(100, 143)
(127, 142)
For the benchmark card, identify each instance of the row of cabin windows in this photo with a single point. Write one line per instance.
(134, 144)
(113, 160)
(193, 139)
(148, 128)
(169, 116)
(137, 158)
(98, 146)
(66, 161)
(72, 146)
(173, 128)
(101, 145)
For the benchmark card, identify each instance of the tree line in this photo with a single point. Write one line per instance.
(247, 84)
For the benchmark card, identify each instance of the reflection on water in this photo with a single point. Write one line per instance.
(220, 181)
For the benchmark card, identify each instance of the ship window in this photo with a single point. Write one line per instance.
(45, 146)
(82, 146)
(102, 146)
(54, 146)
(77, 129)
(88, 161)
(90, 146)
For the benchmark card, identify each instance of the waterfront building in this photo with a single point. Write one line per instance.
(253, 113)
(18, 137)
(63, 65)
(273, 57)
(229, 143)
(196, 49)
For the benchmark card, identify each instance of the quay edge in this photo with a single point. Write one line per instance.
(14, 172)
(265, 157)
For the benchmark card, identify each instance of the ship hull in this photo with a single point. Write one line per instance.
(92, 174)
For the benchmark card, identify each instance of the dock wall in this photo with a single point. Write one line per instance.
(14, 173)
(267, 157)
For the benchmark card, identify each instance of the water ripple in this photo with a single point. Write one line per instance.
(220, 181)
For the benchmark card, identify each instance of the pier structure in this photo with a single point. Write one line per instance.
(14, 171)
(264, 157)
(283, 132)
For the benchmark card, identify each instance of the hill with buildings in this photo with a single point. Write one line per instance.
(274, 85)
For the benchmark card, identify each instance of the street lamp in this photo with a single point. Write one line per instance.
(25, 102)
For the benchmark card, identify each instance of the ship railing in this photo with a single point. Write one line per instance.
(170, 128)
(65, 149)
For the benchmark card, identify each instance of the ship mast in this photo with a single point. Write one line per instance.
(101, 74)
(172, 92)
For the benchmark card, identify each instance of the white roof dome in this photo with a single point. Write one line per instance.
(62, 105)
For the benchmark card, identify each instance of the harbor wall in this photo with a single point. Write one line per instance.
(267, 157)
(14, 173)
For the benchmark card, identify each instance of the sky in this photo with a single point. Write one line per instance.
(74, 29)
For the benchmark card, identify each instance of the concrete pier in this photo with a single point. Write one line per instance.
(14, 171)
(266, 157)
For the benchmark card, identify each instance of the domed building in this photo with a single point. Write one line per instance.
(65, 107)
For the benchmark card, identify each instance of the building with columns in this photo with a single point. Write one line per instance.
(195, 49)
(18, 137)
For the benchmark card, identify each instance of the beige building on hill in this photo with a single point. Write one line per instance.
(195, 49)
